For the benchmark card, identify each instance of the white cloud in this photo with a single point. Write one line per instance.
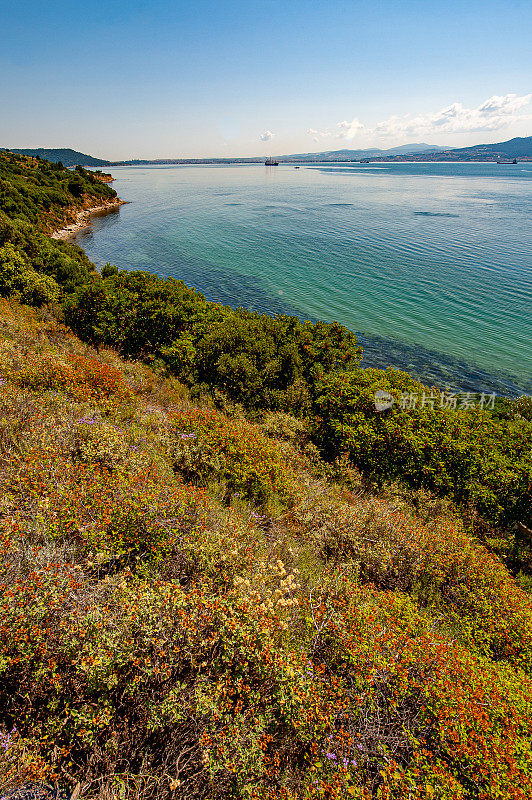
(347, 130)
(495, 113)
(343, 130)
(267, 136)
(506, 104)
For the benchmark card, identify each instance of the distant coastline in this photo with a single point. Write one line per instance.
(519, 148)
(168, 162)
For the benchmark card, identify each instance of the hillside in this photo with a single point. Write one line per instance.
(520, 148)
(514, 148)
(223, 572)
(64, 155)
(346, 155)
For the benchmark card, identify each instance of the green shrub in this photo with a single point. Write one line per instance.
(468, 455)
(18, 278)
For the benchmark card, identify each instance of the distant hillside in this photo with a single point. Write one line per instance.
(520, 147)
(415, 148)
(328, 155)
(372, 152)
(67, 156)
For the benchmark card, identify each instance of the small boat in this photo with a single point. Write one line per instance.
(270, 162)
(506, 161)
(296, 167)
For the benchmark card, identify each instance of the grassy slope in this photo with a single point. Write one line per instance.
(193, 605)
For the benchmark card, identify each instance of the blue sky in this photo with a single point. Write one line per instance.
(154, 79)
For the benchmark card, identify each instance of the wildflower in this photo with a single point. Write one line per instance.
(5, 739)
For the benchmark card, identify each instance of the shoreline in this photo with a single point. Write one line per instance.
(83, 219)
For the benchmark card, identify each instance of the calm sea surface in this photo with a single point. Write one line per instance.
(431, 264)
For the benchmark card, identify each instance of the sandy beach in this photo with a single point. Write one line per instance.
(83, 219)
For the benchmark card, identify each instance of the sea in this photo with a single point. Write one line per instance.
(429, 263)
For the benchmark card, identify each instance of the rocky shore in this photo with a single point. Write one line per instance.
(83, 219)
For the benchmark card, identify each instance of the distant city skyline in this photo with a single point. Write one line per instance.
(204, 79)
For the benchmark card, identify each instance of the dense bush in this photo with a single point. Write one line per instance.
(40, 192)
(471, 455)
(257, 360)
(36, 197)
(206, 445)
(18, 278)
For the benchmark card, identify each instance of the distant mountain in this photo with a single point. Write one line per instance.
(68, 157)
(415, 148)
(329, 155)
(520, 147)
(372, 152)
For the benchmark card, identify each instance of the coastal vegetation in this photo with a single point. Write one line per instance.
(223, 573)
(67, 156)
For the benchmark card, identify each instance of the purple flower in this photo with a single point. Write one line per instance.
(5, 739)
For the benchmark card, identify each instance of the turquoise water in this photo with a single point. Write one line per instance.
(431, 264)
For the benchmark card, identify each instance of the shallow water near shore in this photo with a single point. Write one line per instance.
(431, 264)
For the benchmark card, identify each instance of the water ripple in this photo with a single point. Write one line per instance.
(430, 263)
